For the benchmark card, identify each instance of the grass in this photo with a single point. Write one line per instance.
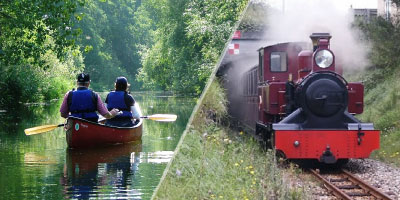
(215, 162)
(382, 107)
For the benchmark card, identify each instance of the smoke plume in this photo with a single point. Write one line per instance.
(296, 20)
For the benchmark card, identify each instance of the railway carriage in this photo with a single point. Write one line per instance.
(302, 105)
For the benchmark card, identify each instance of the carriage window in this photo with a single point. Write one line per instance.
(244, 85)
(278, 62)
(260, 65)
(248, 83)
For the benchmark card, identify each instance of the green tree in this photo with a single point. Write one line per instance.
(26, 24)
(383, 36)
(188, 40)
(37, 55)
(109, 41)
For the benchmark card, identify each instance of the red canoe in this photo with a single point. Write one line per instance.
(85, 134)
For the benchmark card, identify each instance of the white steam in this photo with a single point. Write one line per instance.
(301, 18)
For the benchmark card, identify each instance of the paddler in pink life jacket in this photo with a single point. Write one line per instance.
(120, 99)
(84, 102)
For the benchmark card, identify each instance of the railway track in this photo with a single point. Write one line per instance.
(345, 185)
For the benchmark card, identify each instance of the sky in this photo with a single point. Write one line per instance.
(341, 4)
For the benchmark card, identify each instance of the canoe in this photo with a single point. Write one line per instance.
(86, 134)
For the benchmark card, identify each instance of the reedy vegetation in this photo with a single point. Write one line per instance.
(215, 162)
(37, 55)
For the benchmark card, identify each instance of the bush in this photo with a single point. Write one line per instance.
(31, 83)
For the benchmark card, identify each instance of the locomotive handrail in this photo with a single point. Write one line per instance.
(331, 72)
(322, 72)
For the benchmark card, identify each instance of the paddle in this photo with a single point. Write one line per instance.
(155, 117)
(45, 128)
(161, 117)
(41, 129)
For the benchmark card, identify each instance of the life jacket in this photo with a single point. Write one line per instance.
(82, 103)
(116, 99)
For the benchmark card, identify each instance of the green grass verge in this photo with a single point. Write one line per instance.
(382, 107)
(214, 162)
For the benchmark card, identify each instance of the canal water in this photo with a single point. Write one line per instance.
(42, 167)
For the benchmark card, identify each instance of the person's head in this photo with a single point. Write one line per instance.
(121, 84)
(83, 79)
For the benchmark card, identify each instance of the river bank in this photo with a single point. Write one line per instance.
(216, 162)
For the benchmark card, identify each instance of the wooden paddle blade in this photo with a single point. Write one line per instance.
(162, 117)
(41, 129)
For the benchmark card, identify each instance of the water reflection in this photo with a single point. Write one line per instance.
(156, 157)
(93, 173)
(33, 158)
(89, 171)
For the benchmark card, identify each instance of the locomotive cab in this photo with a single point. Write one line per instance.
(306, 107)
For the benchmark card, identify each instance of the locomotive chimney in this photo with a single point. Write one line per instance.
(315, 37)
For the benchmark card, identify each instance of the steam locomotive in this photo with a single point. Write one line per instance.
(303, 107)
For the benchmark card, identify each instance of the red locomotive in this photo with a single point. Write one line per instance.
(305, 108)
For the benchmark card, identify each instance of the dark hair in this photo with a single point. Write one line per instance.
(83, 78)
(121, 84)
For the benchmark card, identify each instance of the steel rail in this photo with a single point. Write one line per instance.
(336, 191)
(367, 187)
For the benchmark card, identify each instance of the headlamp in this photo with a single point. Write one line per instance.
(324, 58)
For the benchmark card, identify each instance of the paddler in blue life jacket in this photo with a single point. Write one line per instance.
(120, 99)
(84, 103)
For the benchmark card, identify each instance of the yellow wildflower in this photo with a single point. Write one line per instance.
(236, 164)
(251, 172)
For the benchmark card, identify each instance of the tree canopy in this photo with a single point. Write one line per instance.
(37, 54)
(188, 39)
(25, 27)
(108, 41)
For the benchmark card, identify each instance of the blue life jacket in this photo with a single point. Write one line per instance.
(116, 99)
(82, 103)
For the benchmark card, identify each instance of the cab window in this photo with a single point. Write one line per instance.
(278, 62)
(261, 65)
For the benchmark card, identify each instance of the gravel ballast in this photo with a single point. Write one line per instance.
(380, 175)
